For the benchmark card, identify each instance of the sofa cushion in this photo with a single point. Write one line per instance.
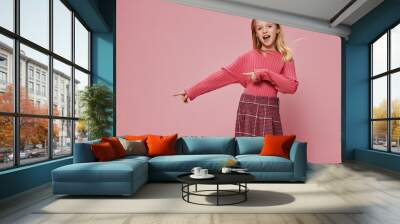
(111, 171)
(185, 163)
(206, 145)
(103, 152)
(277, 145)
(83, 152)
(159, 145)
(249, 145)
(116, 145)
(257, 163)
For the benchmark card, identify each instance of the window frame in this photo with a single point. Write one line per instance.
(16, 115)
(388, 74)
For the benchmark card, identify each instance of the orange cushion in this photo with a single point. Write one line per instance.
(161, 145)
(277, 145)
(103, 151)
(135, 137)
(116, 145)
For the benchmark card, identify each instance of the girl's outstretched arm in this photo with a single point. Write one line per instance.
(226, 75)
(285, 82)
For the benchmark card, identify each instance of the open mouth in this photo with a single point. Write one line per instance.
(266, 37)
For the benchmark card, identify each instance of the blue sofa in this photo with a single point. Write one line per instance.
(125, 176)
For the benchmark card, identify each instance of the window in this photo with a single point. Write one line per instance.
(37, 89)
(3, 61)
(35, 21)
(3, 78)
(81, 45)
(6, 76)
(30, 72)
(46, 120)
(44, 91)
(385, 91)
(30, 87)
(38, 74)
(7, 14)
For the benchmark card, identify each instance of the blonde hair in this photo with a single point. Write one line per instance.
(279, 42)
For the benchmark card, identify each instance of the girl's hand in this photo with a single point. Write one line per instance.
(183, 95)
(252, 76)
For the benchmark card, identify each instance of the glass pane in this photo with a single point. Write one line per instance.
(7, 14)
(81, 45)
(6, 74)
(395, 47)
(62, 138)
(33, 139)
(62, 28)
(379, 135)
(395, 136)
(81, 81)
(379, 97)
(379, 55)
(395, 94)
(6, 142)
(34, 97)
(62, 89)
(81, 131)
(35, 21)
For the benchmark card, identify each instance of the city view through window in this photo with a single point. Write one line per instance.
(39, 101)
(385, 87)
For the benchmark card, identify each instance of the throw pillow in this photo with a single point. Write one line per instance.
(277, 145)
(103, 151)
(161, 145)
(117, 146)
(134, 147)
(136, 137)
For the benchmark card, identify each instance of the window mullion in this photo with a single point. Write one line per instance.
(73, 82)
(50, 81)
(389, 101)
(16, 84)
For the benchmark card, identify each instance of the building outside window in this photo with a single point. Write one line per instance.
(35, 71)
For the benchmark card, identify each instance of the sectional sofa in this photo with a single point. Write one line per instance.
(125, 176)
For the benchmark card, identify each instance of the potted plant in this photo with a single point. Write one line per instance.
(96, 102)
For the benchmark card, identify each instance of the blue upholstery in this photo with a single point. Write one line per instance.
(184, 163)
(119, 177)
(298, 155)
(257, 163)
(206, 145)
(83, 152)
(249, 145)
(126, 175)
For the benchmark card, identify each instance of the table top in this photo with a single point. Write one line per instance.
(220, 178)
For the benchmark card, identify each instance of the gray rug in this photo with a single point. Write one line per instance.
(166, 198)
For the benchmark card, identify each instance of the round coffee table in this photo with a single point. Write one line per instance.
(238, 179)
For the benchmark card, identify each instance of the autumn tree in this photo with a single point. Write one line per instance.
(33, 131)
(380, 127)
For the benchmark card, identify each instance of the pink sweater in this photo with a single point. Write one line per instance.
(274, 73)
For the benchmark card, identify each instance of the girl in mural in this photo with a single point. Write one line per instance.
(263, 71)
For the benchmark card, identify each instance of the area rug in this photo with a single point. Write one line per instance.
(167, 198)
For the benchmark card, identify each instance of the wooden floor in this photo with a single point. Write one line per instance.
(353, 182)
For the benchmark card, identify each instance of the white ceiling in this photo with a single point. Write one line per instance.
(324, 16)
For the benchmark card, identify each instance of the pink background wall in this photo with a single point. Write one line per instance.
(163, 47)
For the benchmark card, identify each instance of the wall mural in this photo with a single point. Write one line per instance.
(263, 71)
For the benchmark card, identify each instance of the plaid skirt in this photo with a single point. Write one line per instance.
(258, 116)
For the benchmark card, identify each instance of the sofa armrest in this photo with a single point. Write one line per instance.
(83, 152)
(298, 155)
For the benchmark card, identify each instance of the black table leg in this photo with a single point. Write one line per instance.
(245, 193)
(217, 194)
(196, 188)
